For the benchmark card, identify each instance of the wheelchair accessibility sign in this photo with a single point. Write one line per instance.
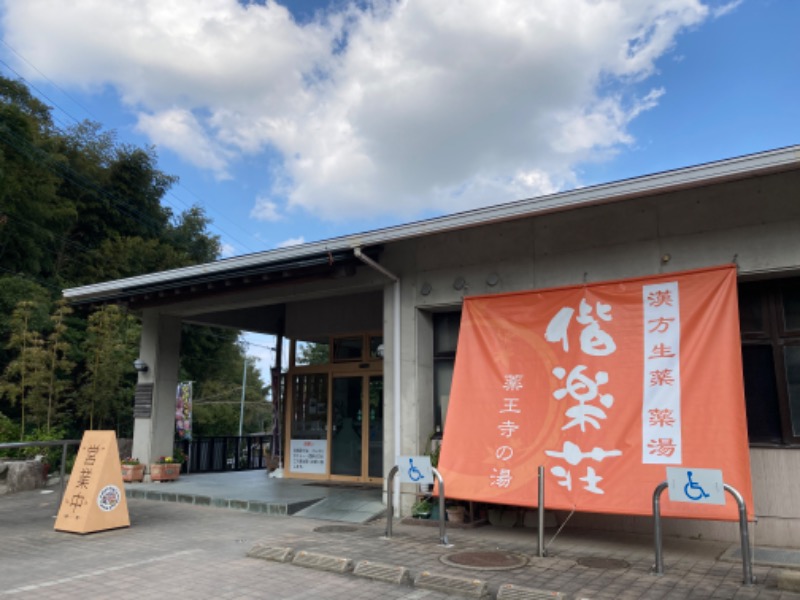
(701, 486)
(414, 469)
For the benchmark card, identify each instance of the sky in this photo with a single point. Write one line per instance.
(293, 121)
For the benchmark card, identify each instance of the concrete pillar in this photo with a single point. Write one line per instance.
(160, 350)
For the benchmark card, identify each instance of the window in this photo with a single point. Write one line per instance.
(769, 313)
(346, 349)
(311, 352)
(445, 342)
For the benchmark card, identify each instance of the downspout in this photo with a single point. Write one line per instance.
(395, 355)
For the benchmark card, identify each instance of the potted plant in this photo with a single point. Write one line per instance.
(422, 509)
(132, 470)
(167, 468)
(456, 513)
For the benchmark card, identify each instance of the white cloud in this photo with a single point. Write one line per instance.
(291, 242)
(726, 8)
(434, 105)
(227, 250)
(179, 130)
(266, 210)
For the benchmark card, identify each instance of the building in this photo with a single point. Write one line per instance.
(385, 307)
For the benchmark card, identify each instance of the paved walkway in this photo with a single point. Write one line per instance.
(255, 491)
(191, 550)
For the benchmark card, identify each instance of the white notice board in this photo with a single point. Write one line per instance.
(308, 456)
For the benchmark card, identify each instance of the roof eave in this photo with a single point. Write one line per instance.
(706, 174)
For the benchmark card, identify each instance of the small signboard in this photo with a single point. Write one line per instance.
(414, 469)
(700, 486)
(94, 499)
(308, 456)
(143, 401)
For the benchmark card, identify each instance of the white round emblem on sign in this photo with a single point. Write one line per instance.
(108, 498)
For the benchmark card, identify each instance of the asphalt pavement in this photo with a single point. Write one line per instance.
(183, 549)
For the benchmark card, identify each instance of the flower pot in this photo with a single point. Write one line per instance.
(165, 472)
(132, 473)
(455, 514)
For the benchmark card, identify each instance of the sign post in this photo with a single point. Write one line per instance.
(698, 486)
(415, 469)
(95, 496)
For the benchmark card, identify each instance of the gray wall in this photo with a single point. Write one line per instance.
(754, 223)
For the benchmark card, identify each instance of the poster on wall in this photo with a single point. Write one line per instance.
(183, 411)
(605, 385)
(308, 456)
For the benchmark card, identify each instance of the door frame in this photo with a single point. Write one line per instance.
(365, 379)
(366, 368)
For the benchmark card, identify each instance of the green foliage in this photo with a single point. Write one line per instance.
(51, 454)
(78, 207)
(217, 403)
(9, 432)
(422, 508)
(111, 346)
(58, 366)
(22, 379)
(311, 353)
(14, 290)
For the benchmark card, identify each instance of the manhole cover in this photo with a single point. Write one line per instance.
(485, 561)
(597, 562)
(336, 529)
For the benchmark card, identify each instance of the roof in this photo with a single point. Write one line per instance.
(312, 253)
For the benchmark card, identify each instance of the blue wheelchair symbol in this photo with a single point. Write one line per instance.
(414, 474)
(697, 491)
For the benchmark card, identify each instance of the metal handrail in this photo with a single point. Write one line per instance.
(43, 444)
(390, 505)
(747, 563)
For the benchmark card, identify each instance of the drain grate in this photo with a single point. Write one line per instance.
(485, 561)
(598, 562)
(336, 529)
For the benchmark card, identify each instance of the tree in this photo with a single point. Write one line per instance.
(58, 366)
(32, 215)
(77, 207)
(217, 404)
(13, 290)
(189, 236)
(22, 378)
(312, 353)
(111, 345)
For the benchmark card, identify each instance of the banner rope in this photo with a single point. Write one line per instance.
(555, 535)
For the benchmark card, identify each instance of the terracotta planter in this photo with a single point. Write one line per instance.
(455, 514)
(131, 473)
(165, 472)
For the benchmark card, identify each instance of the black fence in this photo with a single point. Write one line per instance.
(228, 453)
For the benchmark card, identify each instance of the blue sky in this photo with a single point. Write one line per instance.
(304, 120)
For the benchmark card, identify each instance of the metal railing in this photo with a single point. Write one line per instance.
(390, 504)
(227, 453)
(48, 444)
(747, 564)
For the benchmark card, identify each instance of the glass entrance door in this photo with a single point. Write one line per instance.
(375, 427)
(347, 435)
(357, 426)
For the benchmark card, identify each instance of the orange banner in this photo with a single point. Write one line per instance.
(605, 385)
